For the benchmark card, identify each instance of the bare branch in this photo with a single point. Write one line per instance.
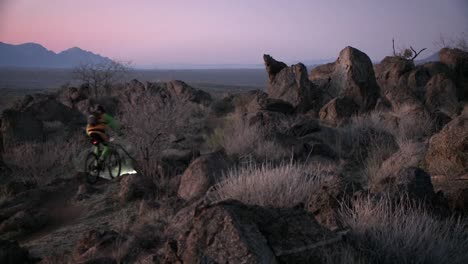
(416, 53)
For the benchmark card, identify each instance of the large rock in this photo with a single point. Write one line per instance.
(12, 253)
(136, 92)
(420, 76)
(181, 91)
(338, 110)
(201, 174)
(230, 232)
(71, 96)
(448, 150)
(351, 76)
(457, 60)
(441, 94)
(392, 75)
(325, 203)
(136, 186)
(291, 84)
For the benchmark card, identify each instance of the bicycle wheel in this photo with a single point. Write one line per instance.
(114, 164)
(91, 168)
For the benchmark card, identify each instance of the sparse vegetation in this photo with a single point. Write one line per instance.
(41, 162)
(285, 185)
(101, 76)
(388, 233)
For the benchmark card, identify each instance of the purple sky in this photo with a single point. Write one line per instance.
(230, 31)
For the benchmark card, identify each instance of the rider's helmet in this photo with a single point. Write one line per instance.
(92, 120)
(100, 109)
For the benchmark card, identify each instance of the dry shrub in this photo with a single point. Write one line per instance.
(236, 136)
(365, 142)
(149, 125)
(414, 123)
(267, 185)
(389, 233)
(41, 162)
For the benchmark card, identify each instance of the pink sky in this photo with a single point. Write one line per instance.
(235, 32)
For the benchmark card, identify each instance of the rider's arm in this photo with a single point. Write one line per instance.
(112, 123)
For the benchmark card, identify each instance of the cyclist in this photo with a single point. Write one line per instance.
(98, 124)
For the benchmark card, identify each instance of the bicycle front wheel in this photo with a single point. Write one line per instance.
(114, 164)
(92, 168)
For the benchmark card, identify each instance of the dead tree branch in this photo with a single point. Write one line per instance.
(416, 53)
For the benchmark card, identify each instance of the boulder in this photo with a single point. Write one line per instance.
(326, 202)
(441, 95)
(291, 85)
(447, 152)
(201, 174)
(338, 110)
(392, 75)
(230, 232)
(352, 76)
(421, 74)
(304, 127)
(457, 60)
(180, 91)
(455, 190)
(71, 96)
(136, 186)
(12, 253)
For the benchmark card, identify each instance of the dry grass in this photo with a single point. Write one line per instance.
(236, 136)
(414, 123)
(387, 233)
(41, 162)
(267, 185)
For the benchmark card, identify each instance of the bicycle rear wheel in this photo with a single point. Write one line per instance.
(92, 167)
(114, 164)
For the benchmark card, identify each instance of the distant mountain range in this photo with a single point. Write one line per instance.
(31, 55)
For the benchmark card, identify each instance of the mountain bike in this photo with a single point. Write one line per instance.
(112, 162)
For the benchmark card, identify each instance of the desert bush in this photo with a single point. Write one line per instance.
(149, 126)
(413, 124)
(236, 136)
(389, 233)
(267, 185)
(41, 162)
(458, 42)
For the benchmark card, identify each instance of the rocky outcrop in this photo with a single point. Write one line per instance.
(448, 150)
(351, 76)
(230, 232)
(441, 95)
(392, 76)
(201, 174)
(72, 96)
(180, 91)
(136, 92)
(135, 186)
(326, 202)
(338, 110)
(457, 60)
(291, 84)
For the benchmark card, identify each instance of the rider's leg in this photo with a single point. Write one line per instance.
(105, 151)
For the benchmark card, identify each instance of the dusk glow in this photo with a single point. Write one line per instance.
(236, 32)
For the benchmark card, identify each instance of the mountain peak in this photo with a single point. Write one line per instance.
(36, 55)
